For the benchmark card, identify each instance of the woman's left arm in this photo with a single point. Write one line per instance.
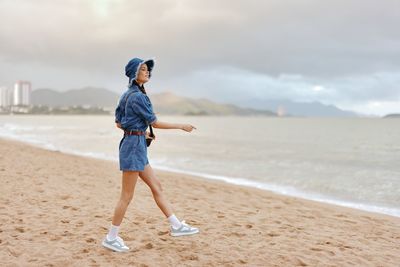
(166, 125)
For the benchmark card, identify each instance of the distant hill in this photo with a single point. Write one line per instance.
(392, 116)
(169, 103)
(309, 109)
(163, 103)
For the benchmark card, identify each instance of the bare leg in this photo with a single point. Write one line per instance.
(129, 179)
(148, 176)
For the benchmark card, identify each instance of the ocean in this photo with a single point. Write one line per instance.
(353, 162)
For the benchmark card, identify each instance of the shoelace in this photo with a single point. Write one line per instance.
(119, 239)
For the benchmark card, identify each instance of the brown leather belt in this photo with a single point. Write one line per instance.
(134, 133)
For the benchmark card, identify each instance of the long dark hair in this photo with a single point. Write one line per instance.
(141, 87)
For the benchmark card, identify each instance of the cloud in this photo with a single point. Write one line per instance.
(270, 48)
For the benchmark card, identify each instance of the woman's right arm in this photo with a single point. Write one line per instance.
(166, 125)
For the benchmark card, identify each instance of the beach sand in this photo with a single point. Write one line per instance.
(55, 209)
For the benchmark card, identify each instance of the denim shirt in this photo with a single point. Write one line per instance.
(134, 112)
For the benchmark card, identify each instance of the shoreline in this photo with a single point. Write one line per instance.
(243, 182)
(56, 208)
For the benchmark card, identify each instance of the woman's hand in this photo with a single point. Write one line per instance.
(118, 125)
(148, 136)
(188, 127)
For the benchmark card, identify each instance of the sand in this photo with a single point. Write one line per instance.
(56, 208)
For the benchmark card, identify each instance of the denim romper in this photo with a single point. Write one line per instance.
(134, 112)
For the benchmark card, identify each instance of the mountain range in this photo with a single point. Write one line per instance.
(169, 103)
(306, 109)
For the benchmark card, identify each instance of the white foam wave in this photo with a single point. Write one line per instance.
(286, 190)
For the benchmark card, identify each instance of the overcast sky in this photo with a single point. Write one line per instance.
(341, 52)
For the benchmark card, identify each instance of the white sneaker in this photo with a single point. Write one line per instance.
(185, 229)
(117, 244)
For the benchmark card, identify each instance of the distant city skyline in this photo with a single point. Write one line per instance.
(227, 51)
(18, 95)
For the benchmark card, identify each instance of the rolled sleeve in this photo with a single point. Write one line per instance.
(145, 109)
(117, 114)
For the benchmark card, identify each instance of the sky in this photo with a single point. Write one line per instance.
(340, 52)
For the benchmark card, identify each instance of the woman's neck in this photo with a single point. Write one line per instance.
(138, 83)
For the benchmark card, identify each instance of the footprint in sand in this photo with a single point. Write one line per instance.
(65, 197)
(64, 221)
(20, 229)
(90, 240)
(13, 252)
(272, 234)
(149, 246)
(300, 262)
(163, 232)
(66, 233)
(237, 234)
(151, 220)
(191, 257)
(316, 249)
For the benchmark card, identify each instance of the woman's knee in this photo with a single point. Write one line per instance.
(126, 198)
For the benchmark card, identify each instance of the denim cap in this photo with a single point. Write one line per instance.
(132, 68)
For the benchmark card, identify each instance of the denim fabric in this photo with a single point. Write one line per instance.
(134, 112)
(131, 69)
(133, 153)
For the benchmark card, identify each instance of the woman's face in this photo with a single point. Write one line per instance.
(143, 75)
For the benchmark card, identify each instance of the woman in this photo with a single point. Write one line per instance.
(133, 115)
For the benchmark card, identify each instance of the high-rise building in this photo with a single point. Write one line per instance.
(4, 97)
(22, 93)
